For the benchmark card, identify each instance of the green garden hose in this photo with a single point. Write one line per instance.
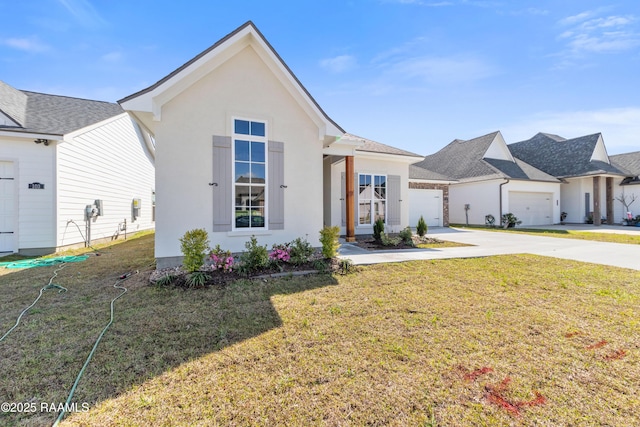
(95, 346)
(50, 285)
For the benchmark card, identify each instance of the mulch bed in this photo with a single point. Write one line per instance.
(368, 242)
(179, 277)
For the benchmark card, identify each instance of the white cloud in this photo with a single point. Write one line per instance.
(452, 69)
(587, 33)
(620, 127)
(339, 64)
(84, 12)
(29, 44)
(112, 57)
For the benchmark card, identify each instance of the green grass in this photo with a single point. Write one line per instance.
(633, 239)
(392, 344)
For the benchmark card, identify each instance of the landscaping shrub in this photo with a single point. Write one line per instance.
(421, 228)
(194, 245)
(329, 240)
(387, 240)
(510, 220)
(280, 252)
(256, 257)
(406, 236)
(378, 229)
(221, 260)
(301, 251)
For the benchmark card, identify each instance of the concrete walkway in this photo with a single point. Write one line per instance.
(488, 243)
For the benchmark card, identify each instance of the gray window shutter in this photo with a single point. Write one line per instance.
(222, 183)
(393, 200)
(276, 185)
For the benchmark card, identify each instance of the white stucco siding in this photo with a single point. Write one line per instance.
(364, 165)
(482, 197)
(242, 87)
(34, 209)
(573, 200)
(109, 162)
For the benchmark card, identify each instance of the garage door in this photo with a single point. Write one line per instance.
(427, 203)
(532, 208)
(7, 207)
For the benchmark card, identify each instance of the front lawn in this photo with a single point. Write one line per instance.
(509, 340)
(633, 239)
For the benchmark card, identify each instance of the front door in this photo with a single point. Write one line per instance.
(7, 207)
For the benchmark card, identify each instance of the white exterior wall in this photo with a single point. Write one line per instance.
(110, 162)
(619, 211)
(573, 200)
(243, 87)
(35, 209)
(375, 167)
(482, 198)
(534, 187)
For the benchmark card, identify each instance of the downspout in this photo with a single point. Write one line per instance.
(500, 213)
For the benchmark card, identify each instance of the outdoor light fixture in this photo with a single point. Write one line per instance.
(41, 141)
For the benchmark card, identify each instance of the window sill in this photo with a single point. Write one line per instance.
(248, 233)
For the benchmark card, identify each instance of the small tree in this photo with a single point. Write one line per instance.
(194, 246)
(329, 240)
(421, 228)
(378, 229)
(623, 199)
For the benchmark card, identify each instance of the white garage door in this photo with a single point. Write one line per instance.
(7, 207)
(427, 203)
(532, 208)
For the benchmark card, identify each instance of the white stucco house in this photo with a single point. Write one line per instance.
(484, 178)
(629, 188)
(591, 181)
(242, 149)
(59, 155)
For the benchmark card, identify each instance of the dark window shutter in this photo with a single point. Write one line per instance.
(222, 183)
(275, 179)
(393, 200)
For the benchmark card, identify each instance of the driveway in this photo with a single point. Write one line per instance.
(488, 243)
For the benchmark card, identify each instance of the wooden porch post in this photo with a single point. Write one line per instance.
(609, 184)
(597, 213)
(350, 204)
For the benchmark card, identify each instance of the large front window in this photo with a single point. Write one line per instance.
(372, 198)
(250, 177)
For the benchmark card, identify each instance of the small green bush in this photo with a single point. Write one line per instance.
(421, 228)
(387, 240)
(255, 257)
(329, 241)
(194, 246)
(510, 220)
(406, 236)
(300, 251)
(378, 229)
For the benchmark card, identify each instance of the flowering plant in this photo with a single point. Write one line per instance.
(221, 260)
(280, 253)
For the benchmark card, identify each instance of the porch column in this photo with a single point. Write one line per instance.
(609, 184)
(597, 214)
(350, 203)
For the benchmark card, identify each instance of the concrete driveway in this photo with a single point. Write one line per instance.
(487, 243)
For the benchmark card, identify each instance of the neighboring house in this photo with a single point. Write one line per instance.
(243, 149)
(59, 155)
(485, 179)
(589, 179)
(429, 197)
(629, 188)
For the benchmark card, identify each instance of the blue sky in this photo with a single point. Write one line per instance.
(414, 74)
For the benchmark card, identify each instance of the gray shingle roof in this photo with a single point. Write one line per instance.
(377, 147)
(463, 161)
(416, 172)
(563, 158)
(52, 114)
(627, 161)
